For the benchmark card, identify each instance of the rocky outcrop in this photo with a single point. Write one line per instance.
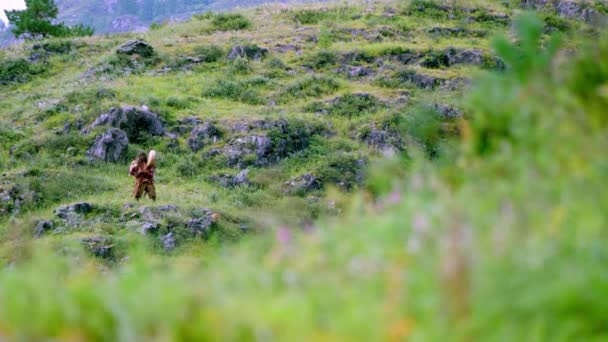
(203, 134)
(132, 120)
(239, 151)
(386, 141)
(109, 146)
(136, 47)
(247, 51)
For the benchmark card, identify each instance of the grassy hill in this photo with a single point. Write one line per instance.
(381, 171)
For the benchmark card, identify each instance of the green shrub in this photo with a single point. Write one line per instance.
(177, 102)
(230, 22)
(436, 60)
(240, 66)
(234, 90)
(341, 169)
(309, 86)
(18, 71)
(322, 59)
(309, 17)
(56, 46)
(209, 53)
(349, 105)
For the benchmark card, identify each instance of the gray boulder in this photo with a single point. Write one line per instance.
(203, 134)
(136, 47)
(467, 56)
(303, 184)
(65, 211)
(247, 51)
(447, 112)
(132, 120)
(42, 227)
(168, 242)
(100, 247)
(109, 146)
(200, 226)
(227, 180)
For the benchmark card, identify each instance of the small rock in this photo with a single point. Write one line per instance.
(136, 47)
(247, 51)
(168, 242)
(65, 211)
(200, 226)
(230, 181)
(303, 184)
(99, 246)
(42, 227)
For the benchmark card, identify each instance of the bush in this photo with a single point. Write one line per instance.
(310, 86)
(234, 90)
(240, 66)
(230, 22)
(209, 53)
(18, 71)
(342, 169)
(436, 60)
(322, 59)
(309, 17)
(349, 105)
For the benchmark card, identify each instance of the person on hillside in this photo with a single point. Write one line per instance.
(142, 168)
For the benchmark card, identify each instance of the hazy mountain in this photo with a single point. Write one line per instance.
(135, 15)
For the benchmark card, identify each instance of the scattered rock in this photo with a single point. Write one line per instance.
(13, 198)
(42, 227)
(420, 80)
(247, 51)
(456, 32)
(227, 180)
(468, 56)
(203, 134)
(149, 228)
(99, 246)
(447, 112)
(303, 184)
(386, 141)
(66, 211)
(136, 47)
(285, 48)
(109, 146)
(157, 213)
(201, 226)
(168, 242)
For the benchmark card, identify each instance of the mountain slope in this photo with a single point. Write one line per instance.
(376, 171)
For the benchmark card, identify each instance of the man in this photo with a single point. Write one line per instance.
(142, 168)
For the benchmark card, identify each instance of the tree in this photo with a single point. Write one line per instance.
(36, 20)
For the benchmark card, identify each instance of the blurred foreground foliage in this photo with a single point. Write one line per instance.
(503, 242)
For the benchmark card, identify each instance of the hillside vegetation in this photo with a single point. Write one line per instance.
(390, 171)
